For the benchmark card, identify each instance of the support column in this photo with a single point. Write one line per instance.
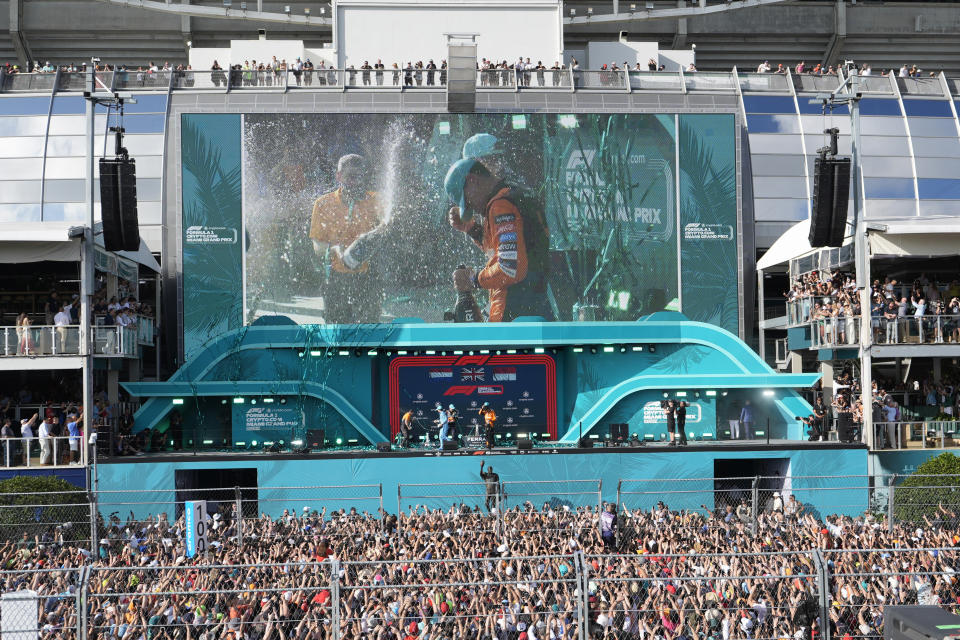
(937, 368)
(796, 362)
(826, 373)
(17, 36)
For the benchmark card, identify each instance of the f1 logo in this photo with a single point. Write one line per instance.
(472, 360)
(460, 390)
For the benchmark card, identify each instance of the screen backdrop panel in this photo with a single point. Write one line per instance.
(520, 388)
(639, 214)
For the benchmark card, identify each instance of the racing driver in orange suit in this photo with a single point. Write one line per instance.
(512, 232)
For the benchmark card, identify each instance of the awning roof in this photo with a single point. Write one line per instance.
(59, 241)
(792, 244)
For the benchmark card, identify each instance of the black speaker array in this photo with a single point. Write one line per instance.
(118, 204)
(831, 191)
(524, 444)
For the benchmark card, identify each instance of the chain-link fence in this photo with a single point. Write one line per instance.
(44, 518)
(41, 603)
(706, 496)
(862, 582)
(766, 595)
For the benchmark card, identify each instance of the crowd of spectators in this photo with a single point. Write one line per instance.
(802, 68)
(462, 573)
(925, 310)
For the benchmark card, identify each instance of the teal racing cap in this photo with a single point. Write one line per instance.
(480, 145)
(453, 184)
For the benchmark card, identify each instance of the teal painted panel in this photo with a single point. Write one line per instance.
(212, 227)
(708, 219)
(609, 468)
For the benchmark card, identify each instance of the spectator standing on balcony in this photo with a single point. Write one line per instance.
(62, 321)
(365, 70)
(51, 307)
(74, 428)
(890, 317)
(431, 73)
(8, 443)
(378, 67)
(25, 344)
(46, 433)
(801, 67)
(26, 434)
(651, 64)
(764, 67)
(443, 73)
(746, 420)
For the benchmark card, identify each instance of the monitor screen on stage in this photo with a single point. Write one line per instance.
(334, 218)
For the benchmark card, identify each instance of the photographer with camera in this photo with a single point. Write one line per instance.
(816, 422)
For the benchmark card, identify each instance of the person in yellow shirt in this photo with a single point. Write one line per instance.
(352, 294)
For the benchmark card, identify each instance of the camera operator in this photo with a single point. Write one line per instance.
(816, 422)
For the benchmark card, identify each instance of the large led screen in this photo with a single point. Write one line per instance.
(365, 218)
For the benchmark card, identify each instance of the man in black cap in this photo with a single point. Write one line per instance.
(489, 423)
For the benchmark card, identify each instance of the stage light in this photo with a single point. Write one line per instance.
(484, 351)
(178, 401)
(253, 401)
(296, 443)
(344, 352)
(353, 441)
(768, 393)
(283, 401)
(300, 354)
(623, 349)
(268, 400)
(511, 351)
(696, 394)
(208, 442)
(224, 401)
(538, 350)
(401, 353)
(316, 353)
(636, 348)
(458, 353)
(239, 445)
(339, 441)
(711, 394)
(253, 443)
(666, 395)
(724, 394)
(372, 352)
(608, 349)
(578, 349)
(681, 394)
(593, 349)
(430, 352)
(238, 401)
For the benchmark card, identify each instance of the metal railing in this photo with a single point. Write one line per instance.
(51, 340)
(40, 340)
(52, 451)
(916, 434)
(765, 595)
(845, 331)
(338, 79)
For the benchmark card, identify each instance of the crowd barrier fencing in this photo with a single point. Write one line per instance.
(577, 596)
(81, 517)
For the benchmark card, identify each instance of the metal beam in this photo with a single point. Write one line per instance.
(199, 11)
(835, 46)
(186, 29)
(679, 12)
(20, 44)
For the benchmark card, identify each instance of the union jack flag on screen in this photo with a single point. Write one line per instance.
(472, 374)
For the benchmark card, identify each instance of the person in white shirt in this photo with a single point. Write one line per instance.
(62, 321)
(45, 434)
(764, 67)
(904, 71)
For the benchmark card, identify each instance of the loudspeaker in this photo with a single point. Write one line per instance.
(524, 443)
(844, 424)
(118, 204)
(315, 438)
(586, 443)
(831, 191)
(383, 447)
(450, 445)
(618, 431)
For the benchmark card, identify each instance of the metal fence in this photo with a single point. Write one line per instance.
(830, 593)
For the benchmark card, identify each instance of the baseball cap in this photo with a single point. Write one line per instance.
(480, 145)
(453, 184)
(451, 406)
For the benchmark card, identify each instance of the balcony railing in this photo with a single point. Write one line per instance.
(58, 451)
(932, 434)
(48, 340)
(845, 331)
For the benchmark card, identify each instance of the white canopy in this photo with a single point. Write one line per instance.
(41, 241)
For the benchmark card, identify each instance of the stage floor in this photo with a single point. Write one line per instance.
(541, 449)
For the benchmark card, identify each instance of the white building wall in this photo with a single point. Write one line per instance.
(404, 31)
